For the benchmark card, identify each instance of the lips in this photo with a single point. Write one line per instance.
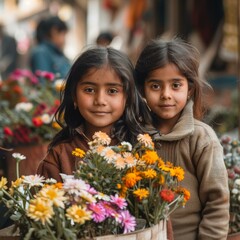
(166, 106)
(99, 113)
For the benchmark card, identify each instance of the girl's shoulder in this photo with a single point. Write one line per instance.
(204, 131)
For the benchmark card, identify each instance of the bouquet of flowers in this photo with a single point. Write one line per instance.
(113, 189)
(232, 161)
(44, 209)
(28, 103)
(136, 173)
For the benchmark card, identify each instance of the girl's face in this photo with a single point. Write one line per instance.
(101, 99)
(166, 91)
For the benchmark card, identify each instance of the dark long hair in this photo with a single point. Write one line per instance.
(135, 115)
(158, 53)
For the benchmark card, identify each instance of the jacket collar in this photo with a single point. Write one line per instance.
(184, 127)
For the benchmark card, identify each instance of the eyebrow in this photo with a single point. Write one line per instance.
(108, 84)
(152, 80)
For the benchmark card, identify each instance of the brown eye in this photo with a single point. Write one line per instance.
(89, 90)
(155, 86)
(112, 91)
(176, 85)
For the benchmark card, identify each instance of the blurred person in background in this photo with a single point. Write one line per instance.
(104, 39)
(8, 53)
(48, 53)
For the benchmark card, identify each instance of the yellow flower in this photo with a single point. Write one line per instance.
(160, 162)
(131, 179)
(78, 214)
(149, 173)
(177, 172)
(3, 183)
(161, 179)
(146, 140)
(16, 183)
(53, 194)
(141, 193)
(78, 152)
(56, 125)
(150, 157)
(40, 210)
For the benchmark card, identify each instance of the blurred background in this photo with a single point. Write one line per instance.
(212, 26)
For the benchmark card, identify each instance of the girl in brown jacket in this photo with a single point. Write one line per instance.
(99, 95)
(167, 75)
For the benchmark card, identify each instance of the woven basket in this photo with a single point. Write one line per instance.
(157, 232)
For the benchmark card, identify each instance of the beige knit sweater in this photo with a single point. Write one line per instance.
(194, 146)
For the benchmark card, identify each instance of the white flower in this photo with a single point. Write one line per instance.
(24, 106)
(33, 180)
(46, 118)
(101, 138)
(146, 140)
(127, 145)
(18, 156)
(108, 154)
(102, 196)
(65, 176)
(75, 186)
(234, 191)
(87, 196)
(50, 180)
(237, 182)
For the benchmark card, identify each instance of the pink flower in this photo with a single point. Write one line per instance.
(98, 212)
(109, 209)
(120, 202)
(48, 75)
(128, 221)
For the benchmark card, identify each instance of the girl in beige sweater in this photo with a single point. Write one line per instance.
(167, 76)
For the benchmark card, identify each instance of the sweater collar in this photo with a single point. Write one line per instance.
(183, 127)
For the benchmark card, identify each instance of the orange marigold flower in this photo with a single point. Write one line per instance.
(160, 162)
(185, 192)
(56, 125)
(58, 185)
(161, 179)
(150, 157)
(177, 172)
(131, 179)
(167, 195)
(149, 173)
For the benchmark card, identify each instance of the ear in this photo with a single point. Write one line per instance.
(190, 93)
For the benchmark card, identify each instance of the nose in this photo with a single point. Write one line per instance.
(166, 93)
(100, 98)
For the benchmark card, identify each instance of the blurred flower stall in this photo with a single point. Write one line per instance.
(232, 161)
(28, 103)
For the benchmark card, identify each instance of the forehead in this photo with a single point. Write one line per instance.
(100, 75)
(170, 70)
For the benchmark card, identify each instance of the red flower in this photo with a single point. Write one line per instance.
(37, 122)
(17, 89)
(167, 195)
(7, 131)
